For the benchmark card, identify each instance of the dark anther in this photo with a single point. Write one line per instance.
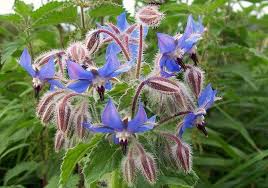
(202, 129)
(180, 62)
(37, 91)
(101, 91)
(193, 56)
(123, 145)
(84, 66)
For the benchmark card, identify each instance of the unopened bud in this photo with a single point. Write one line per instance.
(163, 85)
(59, 140)
(81, 115)
(45, 57)
(129, 168)
(92, 41)
(77, 52)
(64, 112)
(194, 77)
(146, 165)
(149, 15)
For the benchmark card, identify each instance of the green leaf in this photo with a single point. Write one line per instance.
(214, 5)
(97, 166)
(22, 8)
(106, 10)
(73, 156)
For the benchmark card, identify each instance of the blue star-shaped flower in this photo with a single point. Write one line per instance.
(205, 101)
(98, 78)
(174, 48)
(40, 77)
(129, 34)
(122, 129)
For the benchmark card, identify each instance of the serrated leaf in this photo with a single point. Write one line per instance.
(22, 8)
(97, 166)
(106, 10)
(11, 18)
(73, 156)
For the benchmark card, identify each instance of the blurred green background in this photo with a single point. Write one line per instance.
(233, 53)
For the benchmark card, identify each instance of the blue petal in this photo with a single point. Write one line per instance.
(138, 120)
(110, 117)
(166, 43)
(122, 23)
(116, 140)
(123, 68)
(133, 48)
(110, 66)
(112, 48)
(79, 86)
(136, 34)
(75, 71)
(172, 66)
(25, 62)
(189, 27)
(48, 70)
(167, 63)
(188, 122)
(54, 83)
(207, 97)
(100, 129)
(144, 128)
(108, 85)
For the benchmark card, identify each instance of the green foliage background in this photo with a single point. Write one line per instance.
(233, 53)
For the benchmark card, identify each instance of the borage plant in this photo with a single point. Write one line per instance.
(147, 147)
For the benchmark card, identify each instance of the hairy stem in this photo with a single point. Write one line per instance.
(139, 60)
(82, 17)
(171, 117)
(118, 41)
(135, 99)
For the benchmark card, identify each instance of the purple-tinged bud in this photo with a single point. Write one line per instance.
(129, 168)
(149, 15)
(163, 85)
(146, 164)
(59, 140)
(92, 41)
(45, 108)
(181, 152)
(63, 111)
(45, 57)
(77, 52)
(80, 116)
(194, 77)
(183, 98)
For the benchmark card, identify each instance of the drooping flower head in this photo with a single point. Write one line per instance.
(98, 78)
(205, 101)
(122, 130)
(174, 48)
(40, 75)
(128, 34)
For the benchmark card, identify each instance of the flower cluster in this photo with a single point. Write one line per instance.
(75, 78)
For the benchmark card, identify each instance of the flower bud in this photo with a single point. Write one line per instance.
(45, 57)
(146, 165)
(45, 108)
(129, 168)
(63, 111)
(59, 140)
(163, 85)
(77, 52)
(149, 15)
(80, 116)
(92, 41)
(194, 77)
(181, 152)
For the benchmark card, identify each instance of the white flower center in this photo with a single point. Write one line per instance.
(37, 82)
(122, 136)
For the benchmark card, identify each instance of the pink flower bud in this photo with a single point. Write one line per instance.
(92, 41)
(149, 15)
(44, 58)
(194, 77)
(129, 168)
(80, 116)
(63, 111)
(163, 85)
(181, 153)
(146, 164)
(77, 52)
(59, 140)
(45, 109)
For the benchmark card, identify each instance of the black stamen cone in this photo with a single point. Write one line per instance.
(194, 57)
(101, 91)
(37, 91)
(180, 62)
(124, 145)
(202, 128)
